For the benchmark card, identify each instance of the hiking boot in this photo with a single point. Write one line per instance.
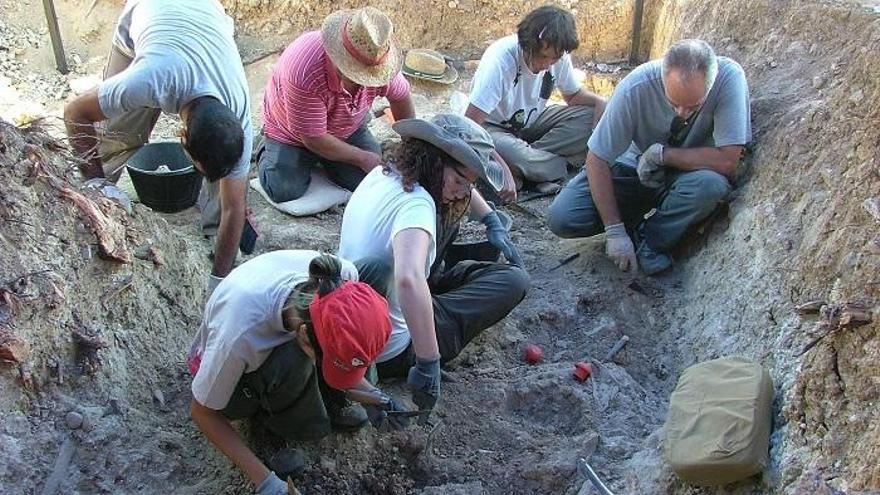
(346, 415)
(287, 462)
(547, 187)
(652, 262)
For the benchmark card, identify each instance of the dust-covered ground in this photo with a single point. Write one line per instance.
(805, 226)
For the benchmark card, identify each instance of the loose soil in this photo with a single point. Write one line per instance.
(803, 227)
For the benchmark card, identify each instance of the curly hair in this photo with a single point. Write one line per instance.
(548, 25)
(421, 162)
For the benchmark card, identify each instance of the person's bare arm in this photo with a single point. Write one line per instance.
(602, 189)
(232, 214)
(410, 257)
(589, 99)
(336, 150)
(475, 114)
(478, 206)
(723, 160)
(403, 108)
(80, 116)
(220, 432)
(508, 190)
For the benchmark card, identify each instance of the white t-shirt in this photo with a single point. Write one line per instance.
(242, 322)
(508, 91)
(181, 50)
(378, 210)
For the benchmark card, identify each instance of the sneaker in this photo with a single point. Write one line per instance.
(652, 262)
(346, 415)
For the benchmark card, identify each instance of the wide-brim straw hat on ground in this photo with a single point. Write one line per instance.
(459, 137)
(429, 65)
(362, 46)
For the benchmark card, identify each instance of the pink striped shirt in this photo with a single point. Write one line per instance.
(305, 98)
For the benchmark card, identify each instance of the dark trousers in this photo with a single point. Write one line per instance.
(467, 298)
(685, 199)
(283, 395)
(285, 171)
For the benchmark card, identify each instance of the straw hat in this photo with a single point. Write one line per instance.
(430, 65)
(362, 46)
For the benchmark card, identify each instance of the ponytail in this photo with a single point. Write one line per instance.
(325, 276)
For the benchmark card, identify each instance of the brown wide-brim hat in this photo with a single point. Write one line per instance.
(361, 44)
(428, 65)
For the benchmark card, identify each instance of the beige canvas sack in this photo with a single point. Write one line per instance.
(718, 426)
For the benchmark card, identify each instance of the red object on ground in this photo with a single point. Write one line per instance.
(582, 371)
(533, 354)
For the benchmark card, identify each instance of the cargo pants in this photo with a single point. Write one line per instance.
(543, 151)
(467, 298)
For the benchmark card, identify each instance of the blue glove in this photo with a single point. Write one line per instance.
(379, 414)
(272, 485)
(499, 237)
(424, 382)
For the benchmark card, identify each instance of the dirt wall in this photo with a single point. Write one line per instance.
(462, 27)
(801, 229)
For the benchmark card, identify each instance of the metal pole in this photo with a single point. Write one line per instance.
(55, 34)
(637, 32)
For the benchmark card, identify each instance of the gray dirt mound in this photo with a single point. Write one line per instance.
(95, 313)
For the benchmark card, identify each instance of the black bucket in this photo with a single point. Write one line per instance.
(164, 177)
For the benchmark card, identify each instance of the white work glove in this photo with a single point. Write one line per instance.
(651, 170)
(109, 190)
(272, 485)
(619, 247)
(213, 282)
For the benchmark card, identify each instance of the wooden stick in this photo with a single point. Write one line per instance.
(637, 32)
(55, 34)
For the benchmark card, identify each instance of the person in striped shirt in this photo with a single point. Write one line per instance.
(317, 103)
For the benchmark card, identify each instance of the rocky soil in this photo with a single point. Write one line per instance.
(98, 306)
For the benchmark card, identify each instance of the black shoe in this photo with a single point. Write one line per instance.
(346, 415)
(287, 462)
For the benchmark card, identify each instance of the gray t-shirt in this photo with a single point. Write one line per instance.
(181, 50)
(639, 115)
(242, 322)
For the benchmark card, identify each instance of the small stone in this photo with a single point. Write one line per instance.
(872, 205)
(873, 246)
(452, 4)
(857, 96)
(159, 398)
(74, 420)
(328, 464)
(88, 424)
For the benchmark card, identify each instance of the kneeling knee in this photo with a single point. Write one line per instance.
(518, 282)
(559, 222)
(712, 187)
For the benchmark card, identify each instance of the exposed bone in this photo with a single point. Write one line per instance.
(12, 348)
(88, 346)
(110, 234)
(810, 307)
(116, 288)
